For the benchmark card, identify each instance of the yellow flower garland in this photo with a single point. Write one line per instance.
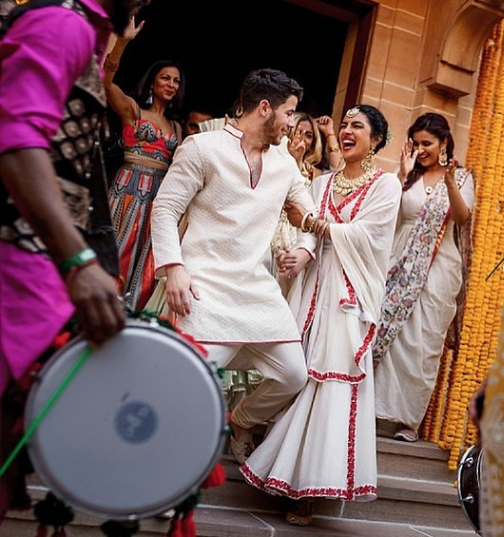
(462, 370)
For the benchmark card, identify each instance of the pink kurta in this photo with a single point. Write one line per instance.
(34, 306)
(34, 303)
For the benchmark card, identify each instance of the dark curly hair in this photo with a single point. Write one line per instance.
(270, 84)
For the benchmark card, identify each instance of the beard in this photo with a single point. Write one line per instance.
(122, 11)
(270, 131)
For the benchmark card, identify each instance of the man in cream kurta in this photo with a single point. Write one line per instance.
(232, 185)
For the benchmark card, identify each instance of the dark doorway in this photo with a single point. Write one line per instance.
(218, 43)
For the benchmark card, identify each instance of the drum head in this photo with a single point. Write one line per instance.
(469, 484)
(137, 429)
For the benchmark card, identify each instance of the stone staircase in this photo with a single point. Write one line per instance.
(417, 497)
(414, 487)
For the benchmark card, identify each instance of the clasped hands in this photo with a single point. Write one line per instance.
(291, 262)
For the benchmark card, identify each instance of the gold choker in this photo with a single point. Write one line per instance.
(344, 186)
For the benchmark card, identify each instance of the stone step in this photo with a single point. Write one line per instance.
(417, 501)
(214, 522)
(415, 490)
(416, 460)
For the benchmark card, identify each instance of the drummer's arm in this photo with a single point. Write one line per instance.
(29, 177)
(38, 97)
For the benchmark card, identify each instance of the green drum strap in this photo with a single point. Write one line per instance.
(46, 408)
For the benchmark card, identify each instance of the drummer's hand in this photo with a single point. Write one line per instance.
(95, 297)
(179, 288)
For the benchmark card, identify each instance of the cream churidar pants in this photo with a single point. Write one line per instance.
(283, 368)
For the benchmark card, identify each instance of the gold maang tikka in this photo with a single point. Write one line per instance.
(352, 112)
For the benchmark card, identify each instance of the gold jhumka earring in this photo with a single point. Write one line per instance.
(369, 163)
(443, 157)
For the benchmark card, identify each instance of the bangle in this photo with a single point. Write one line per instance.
(333, 148)
(312, 225)
(324, 228)
(70, 275)
(77, 260)
(303, 222)
(110, 65)
(330, 134)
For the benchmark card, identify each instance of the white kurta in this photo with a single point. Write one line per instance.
(230, 226)
(324, 445)
(406, 376)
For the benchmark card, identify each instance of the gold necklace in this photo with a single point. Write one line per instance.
(344, 186)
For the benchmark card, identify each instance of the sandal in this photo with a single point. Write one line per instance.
(243, 447)
(300, 513)
(406, 435)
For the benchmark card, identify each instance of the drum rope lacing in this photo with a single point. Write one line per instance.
(46, 408)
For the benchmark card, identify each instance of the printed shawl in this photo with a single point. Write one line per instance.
(407, 277)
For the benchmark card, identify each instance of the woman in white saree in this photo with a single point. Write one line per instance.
(324, 444)
(425, 274)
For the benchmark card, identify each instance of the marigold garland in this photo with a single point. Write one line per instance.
(463, 369)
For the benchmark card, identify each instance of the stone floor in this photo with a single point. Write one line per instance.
(246, 525)
(212, 522)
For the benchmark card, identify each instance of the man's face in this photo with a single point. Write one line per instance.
(122, 10)
(280, 121)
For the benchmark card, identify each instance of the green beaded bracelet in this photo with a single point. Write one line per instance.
(77, 260)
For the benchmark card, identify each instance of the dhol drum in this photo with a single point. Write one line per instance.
(136, 430)
(468, 484)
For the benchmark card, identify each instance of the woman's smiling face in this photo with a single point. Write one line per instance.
(428, 147)
(354, 137)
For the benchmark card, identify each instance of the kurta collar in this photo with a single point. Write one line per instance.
(234, 130)
(239, 134)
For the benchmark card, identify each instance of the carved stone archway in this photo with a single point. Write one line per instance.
(451, 69)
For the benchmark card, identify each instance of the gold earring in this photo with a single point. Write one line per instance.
(369, 162)
(443, 157)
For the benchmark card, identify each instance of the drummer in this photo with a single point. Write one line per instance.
(48, 271)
